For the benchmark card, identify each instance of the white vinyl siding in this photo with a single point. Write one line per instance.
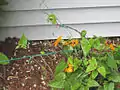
(98, 17)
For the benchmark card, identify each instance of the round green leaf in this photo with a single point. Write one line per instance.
(94, 74)
(57, 84)
(3, 59)
(60, 76)
(92, 83)
(102, 71)
(83, 33)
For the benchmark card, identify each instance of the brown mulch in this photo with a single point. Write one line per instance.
(26, 74)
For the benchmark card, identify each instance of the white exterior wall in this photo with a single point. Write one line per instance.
(98, 17)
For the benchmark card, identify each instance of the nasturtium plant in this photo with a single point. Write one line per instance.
(92, 64)
(22, 42)
(4, 59)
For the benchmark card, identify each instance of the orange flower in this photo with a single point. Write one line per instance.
(57, 41)
(70, 65)
(66, 43)
(74, 43)
(69, 68)
(112, 47)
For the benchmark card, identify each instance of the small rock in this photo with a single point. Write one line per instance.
(38, 68)
(43, 82)
(23, 84)
(35, 65)
(27, 71)
(34, 85)
(28, 50)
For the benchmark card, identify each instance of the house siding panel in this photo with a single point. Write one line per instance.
(99, 17)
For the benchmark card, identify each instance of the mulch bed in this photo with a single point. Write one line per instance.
(26, 74)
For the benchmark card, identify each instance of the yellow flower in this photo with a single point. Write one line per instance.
(57, 41)
(112, 47)
(74, 43)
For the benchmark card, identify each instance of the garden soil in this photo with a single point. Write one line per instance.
(28, 74)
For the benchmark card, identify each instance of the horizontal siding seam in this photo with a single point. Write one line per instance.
(54, 25)
(94, 7)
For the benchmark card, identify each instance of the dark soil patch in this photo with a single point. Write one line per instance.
(26, 74)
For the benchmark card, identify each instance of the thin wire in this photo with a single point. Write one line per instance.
(35, 55)
(66, 26)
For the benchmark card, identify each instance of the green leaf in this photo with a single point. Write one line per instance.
(109, 86)
(60, 67)
(42, 52)
(100, 88)
(66, 86)
(108, 70)
(94, 74)
(59, 80)
(52, 18)
(3, 59)
(97, 44)
(92, 83)
(114, 76)
(91, 41)
(93, 61)
(85, 62)
(84, 88)
(70, 60)
(83, 33)
(117, 53)
(118, 62)
(57, 84)
(60, 76)
(102, 71)
(86, 47)
(111, 62)
(92, 66)
(75, 86)
(22, 42)
(77, 63)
